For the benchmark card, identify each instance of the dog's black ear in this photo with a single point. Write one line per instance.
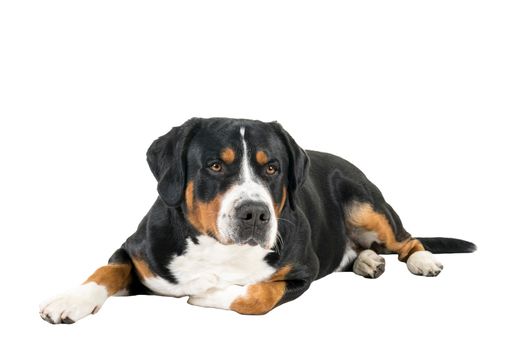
(167, 160)
(299, 163)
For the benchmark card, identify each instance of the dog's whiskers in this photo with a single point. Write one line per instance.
(279, 242)
(286, 220)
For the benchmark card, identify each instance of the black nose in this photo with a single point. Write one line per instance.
(253, 214)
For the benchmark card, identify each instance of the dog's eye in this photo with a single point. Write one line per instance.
(215, 166)
(271, 169)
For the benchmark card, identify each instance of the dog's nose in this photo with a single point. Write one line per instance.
(253, 214)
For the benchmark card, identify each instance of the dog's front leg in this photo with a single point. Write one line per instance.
(253, 299)
(87, 299)
(257, 298)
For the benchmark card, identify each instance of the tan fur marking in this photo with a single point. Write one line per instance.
(409, 247)
(228, 155)
(188, 195)
(262, 297)
(280, 274)
(142, 268)
(280, 206)
(114, 277)
(364, 216)
(261, 157)
(203, 215)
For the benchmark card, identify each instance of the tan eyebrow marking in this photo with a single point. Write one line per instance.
(261, 157)
(278, 207)
(228, 155)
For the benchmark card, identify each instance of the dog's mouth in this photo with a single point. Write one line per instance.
(234, 237)
(261, 239)
(251, 242)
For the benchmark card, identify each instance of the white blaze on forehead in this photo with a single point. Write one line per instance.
(246, 172)
(248, 188)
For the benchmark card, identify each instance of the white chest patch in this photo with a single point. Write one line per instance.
(212, 265)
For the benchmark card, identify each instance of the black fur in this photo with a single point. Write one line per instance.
(167, 160)
(441, 245)
(299, 163)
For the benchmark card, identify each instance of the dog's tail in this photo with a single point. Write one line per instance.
(441, 245)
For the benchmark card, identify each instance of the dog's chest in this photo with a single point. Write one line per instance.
(210, 264)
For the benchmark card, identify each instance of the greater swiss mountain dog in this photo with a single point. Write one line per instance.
(246, 220)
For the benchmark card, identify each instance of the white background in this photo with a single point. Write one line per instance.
(425, 97)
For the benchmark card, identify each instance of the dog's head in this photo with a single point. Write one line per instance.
(231, 177)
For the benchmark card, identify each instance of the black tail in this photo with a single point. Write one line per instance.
(441, 245)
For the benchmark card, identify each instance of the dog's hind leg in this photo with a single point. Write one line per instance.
(379, 228)
(368, 264)
(112, 279)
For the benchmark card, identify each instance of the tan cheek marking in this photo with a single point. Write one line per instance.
(188, 195)
(142, 268)
(262, 297)
(261, 157)
(228, 155)
(114, 277)
(363, 215)
(280, 206)
(203, 215)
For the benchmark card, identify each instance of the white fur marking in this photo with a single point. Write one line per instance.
(121, 293)
(348, 257)
(424, 263)
(74, 304)
(247, 189)
(212, 265)
(366, 238)
(218, 298)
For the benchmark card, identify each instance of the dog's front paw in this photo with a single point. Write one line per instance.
(423, 263)
(73, 305)
(217, 298)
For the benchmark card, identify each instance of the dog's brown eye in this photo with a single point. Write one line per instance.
(215, 166)
(271, 169)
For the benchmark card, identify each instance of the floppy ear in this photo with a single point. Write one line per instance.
(299, 163)
(167, 160)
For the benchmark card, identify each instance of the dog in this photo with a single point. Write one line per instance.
(246, 220)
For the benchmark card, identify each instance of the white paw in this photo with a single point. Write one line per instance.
(73, 305)
(218, 298)
(424, 263)
(368, 264)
